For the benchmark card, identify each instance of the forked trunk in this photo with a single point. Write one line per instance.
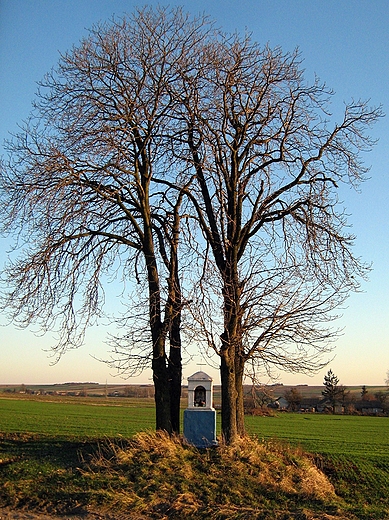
(158, 336)
(174, 316)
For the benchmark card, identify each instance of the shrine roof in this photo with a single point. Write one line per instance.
(200, 376)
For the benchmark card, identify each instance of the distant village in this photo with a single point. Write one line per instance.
(352, 403)
(258, 399)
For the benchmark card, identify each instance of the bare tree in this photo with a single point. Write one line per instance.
(344, 394)
(261, 395)
(267, 165)
(82, 189)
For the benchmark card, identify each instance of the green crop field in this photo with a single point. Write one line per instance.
(327, 434)
(316, 433)
(67, 418)
(352, 451)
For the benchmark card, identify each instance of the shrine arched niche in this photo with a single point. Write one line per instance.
(199, 396)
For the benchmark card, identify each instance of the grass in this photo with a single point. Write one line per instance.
(330, 434)
(353, 452)
(157, 477)
(77, 418)
(71, 455)
(42, 473)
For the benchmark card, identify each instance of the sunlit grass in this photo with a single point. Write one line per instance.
(96, 418)
(333, 434)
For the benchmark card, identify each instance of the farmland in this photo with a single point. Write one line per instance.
(327, 434)
(352, 451)
(64, 417)
(99, 417)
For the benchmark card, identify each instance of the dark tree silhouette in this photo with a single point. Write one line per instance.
(332, 392)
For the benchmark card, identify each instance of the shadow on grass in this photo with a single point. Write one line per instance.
(64, 453)
(43, 473)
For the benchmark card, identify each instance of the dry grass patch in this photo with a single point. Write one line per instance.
(160, 477)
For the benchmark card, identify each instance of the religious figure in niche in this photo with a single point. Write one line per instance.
(199, 396)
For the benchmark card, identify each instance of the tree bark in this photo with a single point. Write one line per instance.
(239, 375)
(158, 332)
(175, 372)
(228, 385)
(162, 394)
(232, 375)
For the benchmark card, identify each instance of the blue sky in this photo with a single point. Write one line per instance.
(344, 42)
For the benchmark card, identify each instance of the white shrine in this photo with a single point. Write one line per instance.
(200, 416)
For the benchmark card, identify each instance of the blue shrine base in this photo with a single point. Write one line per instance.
(200, 427)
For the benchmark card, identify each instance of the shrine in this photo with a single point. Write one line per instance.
(200, 416)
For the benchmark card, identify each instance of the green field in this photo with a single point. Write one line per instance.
(71, 418)
(353, 451)
(327, 434)
(96, 418)
(39, 436)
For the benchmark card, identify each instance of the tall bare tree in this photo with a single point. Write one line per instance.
(268, 162)
(82, 189)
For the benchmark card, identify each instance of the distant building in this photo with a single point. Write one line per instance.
(279, 404)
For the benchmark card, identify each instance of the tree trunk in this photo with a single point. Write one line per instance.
(227, 376)
(162, 394)
(175, 298)
(239, 374)
(175, 372)
(158, 334)
(232, 365)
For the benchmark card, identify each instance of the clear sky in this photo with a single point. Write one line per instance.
(344, 42)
